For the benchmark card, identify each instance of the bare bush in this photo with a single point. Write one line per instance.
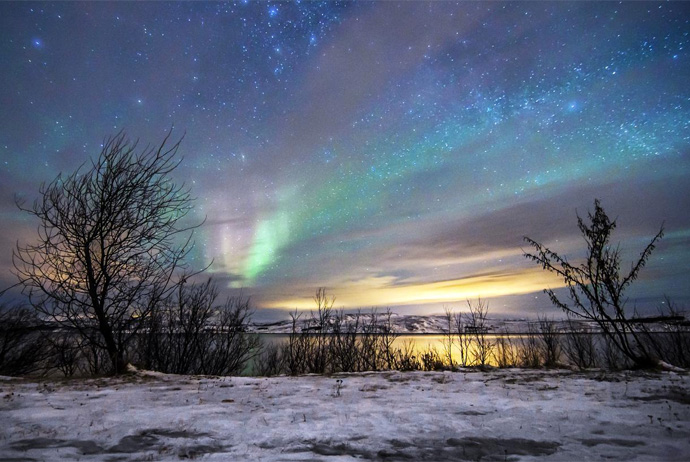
(579, 345)
(667, 335)
(193, 334)
(309, 345)
(377, 342)
(596, 287)
(550, 341)
(269, 361)
(329, 341)
(297, 348)
(405, 357)
(431, 360)
(612, 357)
(173, 338)
(23, 348)
(66, 352)
(97, 360)
(386, 336)
(345, 346)
(370, 354)
(478, 328)
(228, 347)
(504, 352)
(529, 352)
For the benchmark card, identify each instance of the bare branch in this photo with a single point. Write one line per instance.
(596, 287)
(110, 240)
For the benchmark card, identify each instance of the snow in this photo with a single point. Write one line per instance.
(503, 414)
(417, 324)
(409, 324)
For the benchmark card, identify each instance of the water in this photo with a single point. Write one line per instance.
(432, 350)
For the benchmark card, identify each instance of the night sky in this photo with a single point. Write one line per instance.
(395, 153)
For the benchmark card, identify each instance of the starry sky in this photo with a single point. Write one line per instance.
(395, 153)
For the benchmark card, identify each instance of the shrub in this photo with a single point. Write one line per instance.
(23, 346)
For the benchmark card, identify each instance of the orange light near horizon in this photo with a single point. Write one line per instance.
(383, 292)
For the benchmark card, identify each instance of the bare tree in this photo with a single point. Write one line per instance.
(464, 340)
(296, 349)
(110, 240)
(447, 340)
(596, 287)
(479, 329)
(321, 324)
(384, 337)
(345, 348)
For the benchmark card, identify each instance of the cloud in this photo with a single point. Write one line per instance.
(385, 291)
(367, 53)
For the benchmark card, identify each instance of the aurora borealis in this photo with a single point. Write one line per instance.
(395, 153)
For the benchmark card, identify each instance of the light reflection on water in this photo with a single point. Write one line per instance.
(499, 350)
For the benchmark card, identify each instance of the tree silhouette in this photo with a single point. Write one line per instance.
(596, 287)
(110, 240)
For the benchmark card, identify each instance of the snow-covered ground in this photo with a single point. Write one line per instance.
(435, 416)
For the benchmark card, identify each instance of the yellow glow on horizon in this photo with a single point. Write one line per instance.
(382, 291)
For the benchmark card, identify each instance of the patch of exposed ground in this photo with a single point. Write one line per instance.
(611, 441)
(144, 441)
(676, 394)
(441, 450)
